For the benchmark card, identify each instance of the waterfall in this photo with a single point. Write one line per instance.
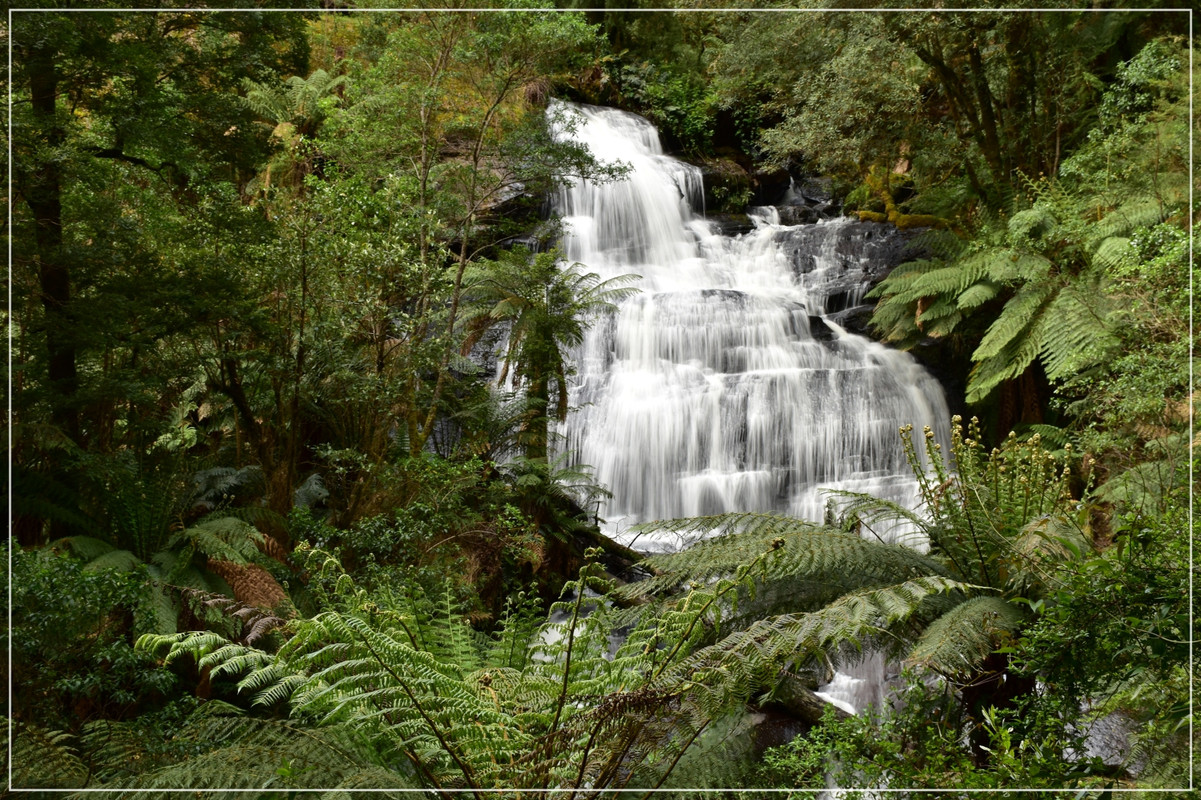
(726, 384)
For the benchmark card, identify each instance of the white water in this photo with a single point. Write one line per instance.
(708, 392)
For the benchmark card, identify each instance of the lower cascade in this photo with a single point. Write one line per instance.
(726, 384)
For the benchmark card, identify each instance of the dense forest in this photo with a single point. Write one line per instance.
(276, 525)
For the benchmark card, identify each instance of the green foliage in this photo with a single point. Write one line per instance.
(680, 104)
(217, 260)
(815, 565)
(1114, 631)
(72, 654)
(1135, 403)
(1000, 519)
(1047, 271)
(125, 119)
(1045, 284)
(917, 743)
(216, 746)
(847, 114)
(568, 710)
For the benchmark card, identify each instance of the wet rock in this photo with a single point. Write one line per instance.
(798, 215)
(856, 319)
(793, 695)
(813, 189)
(770, 186)
(819, 330)
(727, 185)
(731, 224)
(858, 254)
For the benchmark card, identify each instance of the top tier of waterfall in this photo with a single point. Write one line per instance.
(643, 219)
(725, 385)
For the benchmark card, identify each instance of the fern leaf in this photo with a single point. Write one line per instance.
(808, 565)
(944, 281)
(1032, 224)
(1136, 212)
(44, 759)
(977, 295)
(85, 548)
(1012, 361)
(1074, 332)
(1014, 320)
(1115, 253)
(119, 560)
(729, 671)
(158, 613)
(958, 641)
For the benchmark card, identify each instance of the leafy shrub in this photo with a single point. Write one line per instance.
(919, 742)
(685, 110)
(73, 658)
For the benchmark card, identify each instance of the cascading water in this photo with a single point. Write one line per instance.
(723, 385)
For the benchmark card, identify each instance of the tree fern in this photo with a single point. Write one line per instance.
(43, 759)
(809, 565)
(1014, 321)
(233, 751)
(519, 625)
(1050, 265)
(977, 295)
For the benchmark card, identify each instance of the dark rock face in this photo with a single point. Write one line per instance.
(856, 319)
(486, 354)
(863, 254)
(731, 224)
(727, 185)
(770, 185)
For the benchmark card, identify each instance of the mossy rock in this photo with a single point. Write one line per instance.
(728, 186)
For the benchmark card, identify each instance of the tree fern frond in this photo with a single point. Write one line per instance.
(728, 671)
(1115, 253)
(977, 295)
(940, 310)
(1008, 266)
(218, 486)
(85, 548)
(1032, 224)
(875, 514)
(958, 641)
(44, 759)
(1043, 542)
(117, 750)
(1137, 212)
(1075, 332)
(518, 626)
(902, 280)
(944, 281)
(1048, 433)
(158, 612)
(1016, 356)
(223, 538)
(119, 560)
(810, 565)
(1145, 487)
(1015, 318)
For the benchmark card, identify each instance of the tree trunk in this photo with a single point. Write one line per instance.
(536, 428)
(43, 194)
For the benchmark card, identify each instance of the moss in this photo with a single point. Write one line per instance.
(883, 187)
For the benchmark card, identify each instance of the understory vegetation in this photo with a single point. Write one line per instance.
(275, 524)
